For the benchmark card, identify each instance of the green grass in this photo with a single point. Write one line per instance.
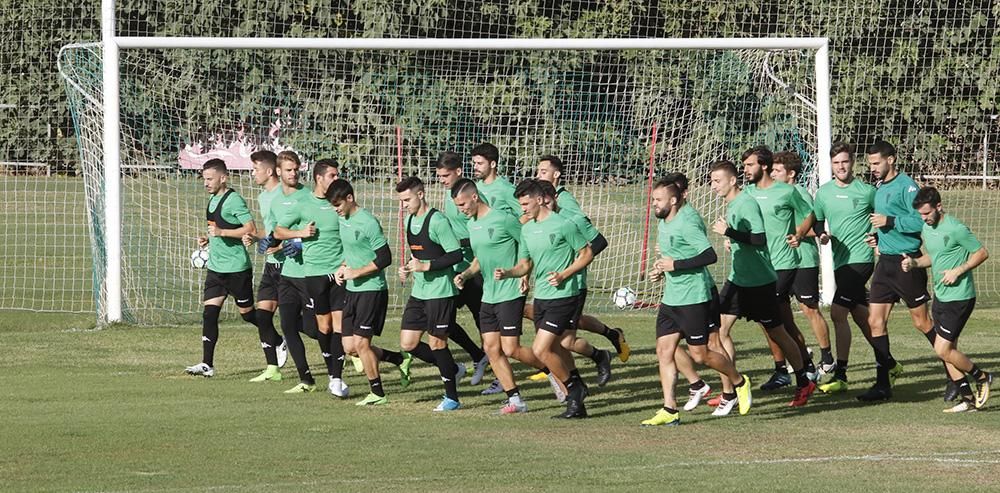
(110, 410)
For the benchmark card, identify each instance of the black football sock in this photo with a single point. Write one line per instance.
(291, 324)
(324, 347)
(780, 366)
(841, 372)
(250, 317)
(269, 338)
(697, 385)
(424, 353)
(964, 388)
(977, 373)
(446, 366)
(209, 333)
(376, 386)
(391, 357)
(458, 335)
(595, 356)
(880, 345)
(337, 354)
(826, 355)
(801, 380)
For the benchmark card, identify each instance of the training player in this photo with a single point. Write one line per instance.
(749, 290)
(449, 171)
(690, 303)
(229, 269)
(787, 168)
(554, 250)
(842, 209)
(434, 251)
(366, 255)
(578, 345)
(495, 190)
(786, 219)
(293, 303)
(495, 237)
(265, 175)
(313, 221)
(551, 169)
(954, 252)
(897, 233)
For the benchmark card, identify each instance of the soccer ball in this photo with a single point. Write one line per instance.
(199, 258)
(624, 298)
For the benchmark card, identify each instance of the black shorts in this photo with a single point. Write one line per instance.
(694, 322)
(471, 294)
(757, 304)
(581, 299)
(806, 286)
(324, 294)
(555, 316)
(783, 286)
(890, 284)
(505, 317)
(239, 285)
(268, 289)
(851, 281)
(292, 291)
(950, 317)
(435, 317)
(364, 313)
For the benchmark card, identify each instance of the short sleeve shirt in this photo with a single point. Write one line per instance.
(228, 255)
(552, 245)
(362, 235)
(681, 238)
(322, 253)
(846, 211)
(949, 245)
(751, 264)
(495, 240)
(435, 284)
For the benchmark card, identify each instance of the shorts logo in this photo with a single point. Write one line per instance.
(365, 327)
(944, 329)
(766, 321)
(921, 297)
(509, 327)
(806, 297)
(310, 304)
(490, 232)
(550, 324)
(697, 337)
(552, 238)
(445, 326)
(243, 301)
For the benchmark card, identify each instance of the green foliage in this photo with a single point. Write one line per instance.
(922, 75)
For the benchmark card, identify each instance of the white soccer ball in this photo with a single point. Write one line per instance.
(624, 298)
(199, 258)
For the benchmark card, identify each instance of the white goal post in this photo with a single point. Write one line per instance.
(111, 44)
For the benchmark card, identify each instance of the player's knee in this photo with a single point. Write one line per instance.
(698, 355)
(210, 313)
(249, 317)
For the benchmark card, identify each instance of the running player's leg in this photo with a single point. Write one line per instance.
(616, 336)
(213, 295)
(784, 288)
(291, 302)
(579, 345)
(270, 341)
(440, 318)
(471, 296)
(364, 317)
(553, 318)
(806, 291)
(950, 318)
(666, 347)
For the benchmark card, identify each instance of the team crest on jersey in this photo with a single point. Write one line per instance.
(357, 234)
(856, 202)
(946, 239)
(490, 231)
(552, 238)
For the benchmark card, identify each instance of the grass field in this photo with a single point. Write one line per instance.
(110, 410)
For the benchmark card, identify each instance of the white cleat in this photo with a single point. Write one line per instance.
(200, 369)
(282, 353)
(480, 370)
(724, 407)
(338, 388)
(695, 397)
(557, 389)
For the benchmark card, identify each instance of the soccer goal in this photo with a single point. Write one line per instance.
(150, 111)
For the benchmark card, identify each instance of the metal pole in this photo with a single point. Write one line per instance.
(824, 137)
(112, 175)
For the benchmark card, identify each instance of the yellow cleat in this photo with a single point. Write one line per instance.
(663, 418)
(621, 345)
(302, 388)
(743, 395)
(539, 377)
(834, 386)
(272, 373)
(894, 373)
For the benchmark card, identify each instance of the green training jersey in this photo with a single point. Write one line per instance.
(264, 199)
(362, 235)
(228, 255)
(808, 249)
(894, 198)
(681, 238)
(751, 264)
(552, 245)
(570, 209)
(495, 240)
(322, 253)
(499, 195)
(434, 284)
(949, 244)
(783, 209)
(459, 224)
(280, 206)
(846, 211)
